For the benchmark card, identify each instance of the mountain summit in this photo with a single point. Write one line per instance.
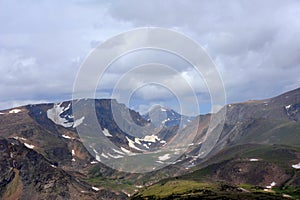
(161, 116)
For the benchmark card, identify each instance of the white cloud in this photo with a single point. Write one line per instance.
(255, 45)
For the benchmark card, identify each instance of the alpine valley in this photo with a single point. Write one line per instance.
(256, 154)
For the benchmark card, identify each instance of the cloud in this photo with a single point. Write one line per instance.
(42, 45)
(254, 44)
(23, 78)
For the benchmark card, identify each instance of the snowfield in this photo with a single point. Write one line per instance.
(54, 115)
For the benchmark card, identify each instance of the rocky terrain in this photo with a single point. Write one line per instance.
(257, 155)
(44, 157)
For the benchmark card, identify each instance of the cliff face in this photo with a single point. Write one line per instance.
(26, 174)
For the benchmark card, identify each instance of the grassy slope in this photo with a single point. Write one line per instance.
(266, 131)
(186, 189)
(200, 184)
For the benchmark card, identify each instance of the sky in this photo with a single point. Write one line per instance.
(255, 46)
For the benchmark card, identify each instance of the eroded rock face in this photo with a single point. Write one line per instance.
(293, 111)
(26, 174)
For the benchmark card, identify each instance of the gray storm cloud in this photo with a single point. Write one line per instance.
(254, 44)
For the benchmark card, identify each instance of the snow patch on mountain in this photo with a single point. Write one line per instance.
(106, 133)
(150, 138)
(288, 106)
(104, 155)
(67, 137)
(19, 138)
(296, 166)
(68, 107)
(29, 146)
(98, 158)
(94, 150)
(137, 140)
(117, 151)
(54, 115)
(125, 150)
(164, 121)
(78, 122)
(96, 189)
(131, 144)
(271, 185)
(73, 154)
(53, 166)
(14, 111)
(114, 156)
(164, 157)
(163, 109)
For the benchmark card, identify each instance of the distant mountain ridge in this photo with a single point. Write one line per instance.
(161, 116)
(48, 131)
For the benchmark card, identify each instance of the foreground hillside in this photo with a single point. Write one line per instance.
(26, 174)
(240, 172)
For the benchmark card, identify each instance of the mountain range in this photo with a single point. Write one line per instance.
(255, 154)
